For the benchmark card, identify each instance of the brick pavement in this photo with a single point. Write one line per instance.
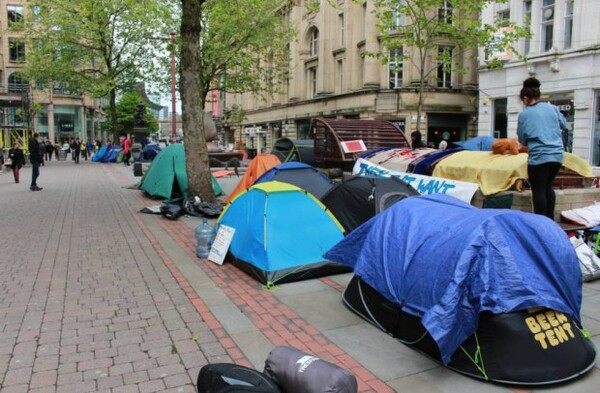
(95, 297)
(87, 302)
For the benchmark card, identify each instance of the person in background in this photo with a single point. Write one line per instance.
(35, 158)
(49, 150)
(89, 147)
(17, 160)
(75, 148)
(42, 148)
(416, 140)
(539, 129)
(83, 150)
(127, 150)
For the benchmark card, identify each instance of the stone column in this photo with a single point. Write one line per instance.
(83, 124)
(50, 116)
(372, 65)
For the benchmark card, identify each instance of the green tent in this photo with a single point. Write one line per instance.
(167, 175)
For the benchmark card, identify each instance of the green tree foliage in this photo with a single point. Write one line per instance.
(126, 108)
(99, 48)
(420, 27)
(229, 45)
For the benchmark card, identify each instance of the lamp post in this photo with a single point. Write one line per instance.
(173, 90)
(173, 84)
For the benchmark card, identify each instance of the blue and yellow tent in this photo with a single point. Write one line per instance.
(281, 233)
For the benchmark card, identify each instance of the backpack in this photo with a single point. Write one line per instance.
(233, 378)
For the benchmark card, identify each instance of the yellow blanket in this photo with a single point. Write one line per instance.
(494, 172)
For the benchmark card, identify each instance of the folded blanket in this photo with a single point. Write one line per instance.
(588, 216)
(497, 172)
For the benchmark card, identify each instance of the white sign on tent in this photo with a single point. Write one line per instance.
(221, 244)
(423, 184)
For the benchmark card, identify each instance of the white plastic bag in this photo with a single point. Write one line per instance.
(588, 260)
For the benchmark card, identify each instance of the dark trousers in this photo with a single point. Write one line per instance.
(35, 172)
(541, 178)
(76, 156)
(16, 170)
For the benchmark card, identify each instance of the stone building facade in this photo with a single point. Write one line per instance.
(331, 77)
(60, 115)
(564, 54)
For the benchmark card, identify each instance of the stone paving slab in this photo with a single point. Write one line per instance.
(96, 297)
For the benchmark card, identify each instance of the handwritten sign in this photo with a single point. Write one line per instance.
(221, 244)
(353, 146)
(423, 184)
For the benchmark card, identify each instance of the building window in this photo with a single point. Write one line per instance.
(547, 24)
(14, 16)
(16, 50)
(16, 83)
(342, 29)
(395, 68)
(568, 24)
(527, 23)
(503, 17)
(313, 46)
(445, 11)
(340, 76)
(312, 82)
(444, 69)
(397, 20)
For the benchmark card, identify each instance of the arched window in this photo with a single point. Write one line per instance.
(313, 44)
(16, 82)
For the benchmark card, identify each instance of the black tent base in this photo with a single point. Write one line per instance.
(531, 347)
(298, 273)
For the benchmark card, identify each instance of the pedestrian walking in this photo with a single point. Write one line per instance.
(35, 158)
(49, 150)
(42, 150)
(17, 160)
(89, 147)
(539, 127)
(83, 150)
(75, 147)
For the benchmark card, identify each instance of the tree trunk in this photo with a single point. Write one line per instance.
(192, 100)
(114, 122)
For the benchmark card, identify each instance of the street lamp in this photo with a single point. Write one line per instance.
(173, 84)
(173, 90)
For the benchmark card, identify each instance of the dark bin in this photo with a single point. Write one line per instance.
(251, 153)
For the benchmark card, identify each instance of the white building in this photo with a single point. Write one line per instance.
(564, 54)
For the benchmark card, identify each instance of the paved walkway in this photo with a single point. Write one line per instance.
(97, 297)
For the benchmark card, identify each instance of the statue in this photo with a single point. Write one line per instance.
(138, 116)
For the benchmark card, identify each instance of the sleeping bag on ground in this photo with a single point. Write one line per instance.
(299, 372)
(233, 378)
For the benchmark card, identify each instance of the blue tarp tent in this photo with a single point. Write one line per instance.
(112, 154)
(479, 143)
(281, 233)
(100, 153)
(149, 152)
(447, 262)
(301, 175)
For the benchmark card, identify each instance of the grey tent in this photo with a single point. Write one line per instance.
(301, 175)
(301, 150)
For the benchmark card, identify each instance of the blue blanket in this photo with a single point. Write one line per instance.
(446, 262)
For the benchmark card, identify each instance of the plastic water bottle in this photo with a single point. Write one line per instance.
(204, 238)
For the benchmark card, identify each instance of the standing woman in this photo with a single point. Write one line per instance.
(18, 160)
(540, 129)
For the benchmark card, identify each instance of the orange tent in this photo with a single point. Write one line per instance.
(259, 165)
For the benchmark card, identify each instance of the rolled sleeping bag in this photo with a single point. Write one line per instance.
(298, 372)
